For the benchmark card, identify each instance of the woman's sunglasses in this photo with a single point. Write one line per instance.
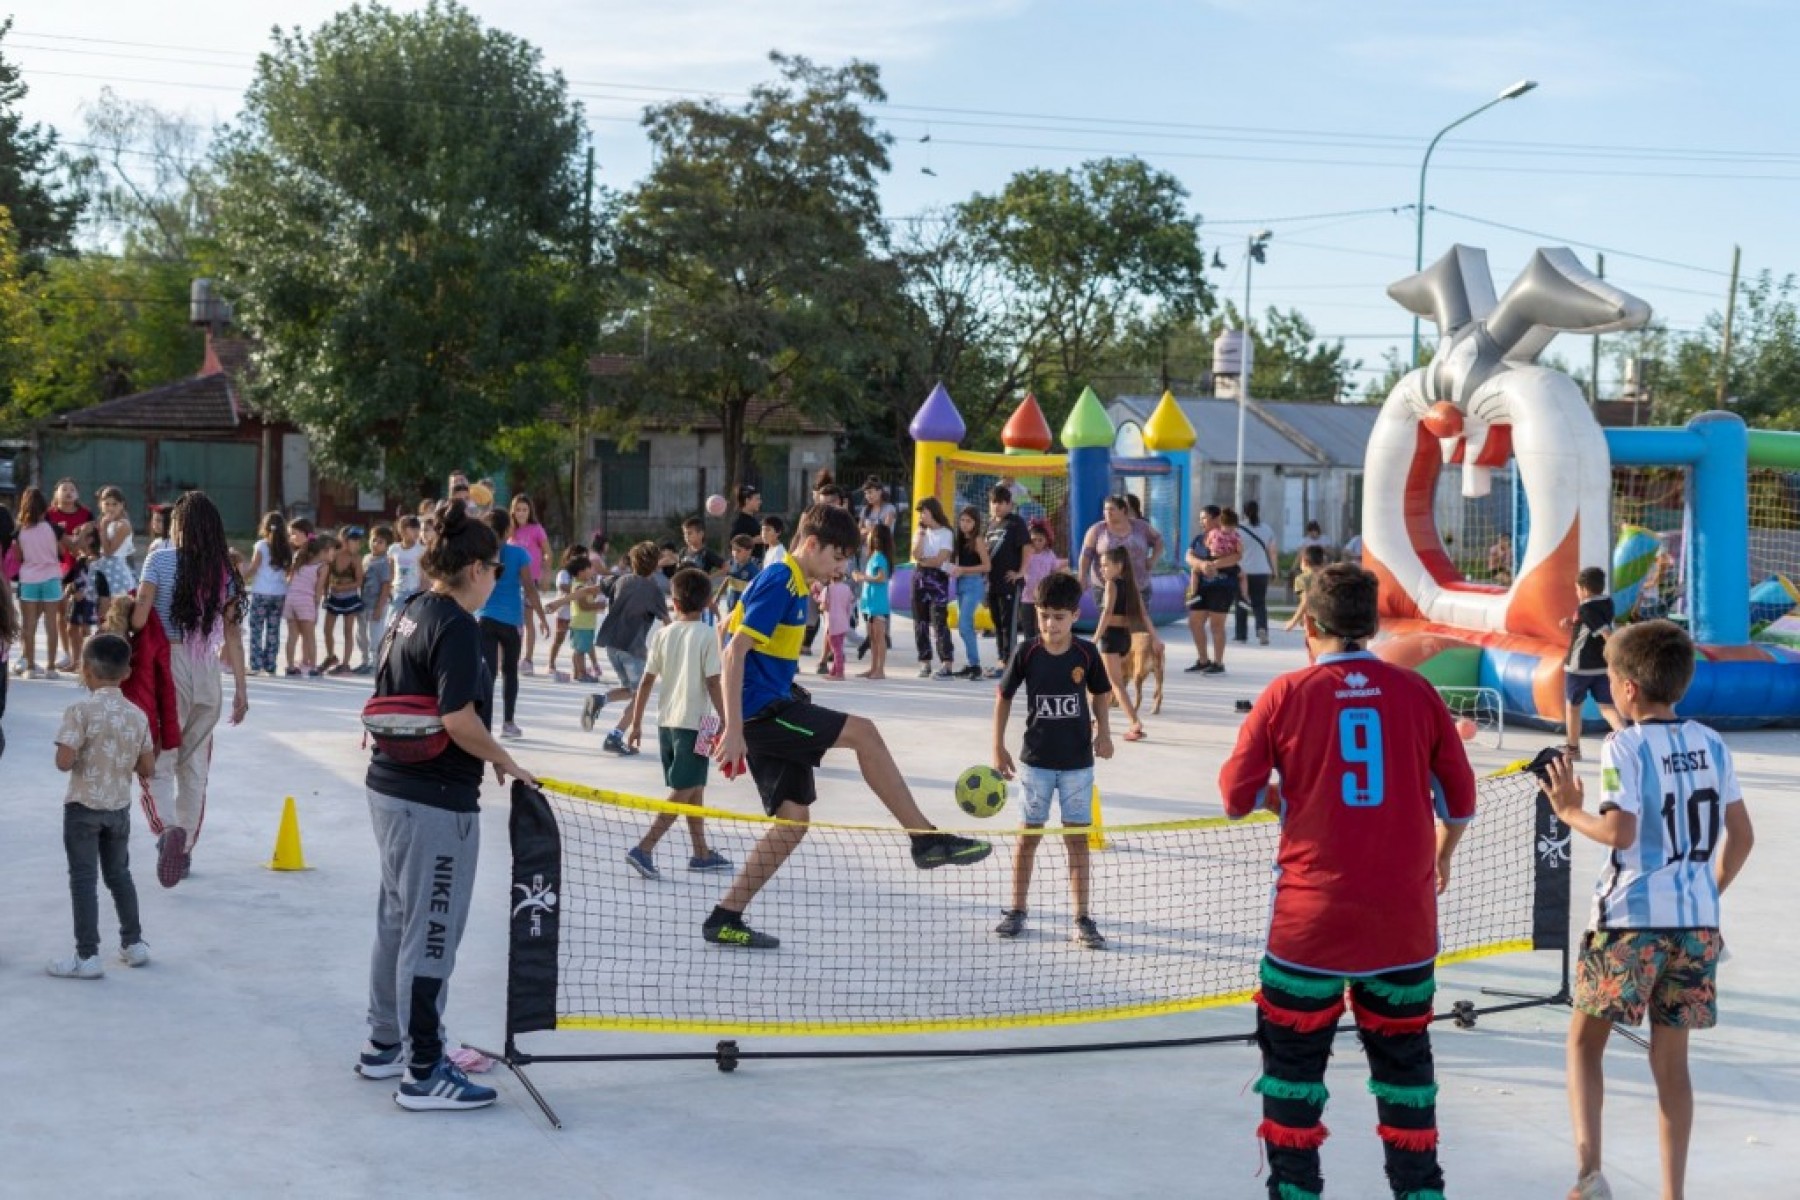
(499, 569)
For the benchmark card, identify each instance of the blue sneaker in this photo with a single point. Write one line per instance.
(446, 1087)
(376, 1063)
(640, 862)
(712, 860)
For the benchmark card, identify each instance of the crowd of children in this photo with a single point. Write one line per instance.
(714, 639)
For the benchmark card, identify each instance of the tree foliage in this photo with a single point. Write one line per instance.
(401, 210)
(149, 185)
(33, 187)
(17, 323)
(1763, 379)
(105, 327)
(753, 239)
(1290, 361)
(1082, 254)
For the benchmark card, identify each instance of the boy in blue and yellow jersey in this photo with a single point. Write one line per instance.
(772, 724)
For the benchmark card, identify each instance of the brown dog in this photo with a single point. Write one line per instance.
(1145, 660)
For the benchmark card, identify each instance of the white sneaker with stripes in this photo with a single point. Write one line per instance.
(446, 1087)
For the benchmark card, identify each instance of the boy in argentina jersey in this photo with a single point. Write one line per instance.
(1675, 820)
(1375, 790)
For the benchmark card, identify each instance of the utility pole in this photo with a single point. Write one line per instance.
(1730, 310)
(1254, 251)
(1594, 370)
(587, 384)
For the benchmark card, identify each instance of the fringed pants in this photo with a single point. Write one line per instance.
(1297, 1016)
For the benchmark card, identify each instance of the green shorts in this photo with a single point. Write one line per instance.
(581, 641)
(682, 768)
(1669, 972)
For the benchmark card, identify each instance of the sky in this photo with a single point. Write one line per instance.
(1660, 133)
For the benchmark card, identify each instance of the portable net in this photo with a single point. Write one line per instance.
(871, 945)
(1041, 488)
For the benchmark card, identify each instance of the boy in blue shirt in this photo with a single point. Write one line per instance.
(1673, 816)
(774, 726)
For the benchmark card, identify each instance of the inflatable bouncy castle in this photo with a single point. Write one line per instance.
(1483, 404)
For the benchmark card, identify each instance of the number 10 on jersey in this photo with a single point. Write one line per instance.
(1359, 745)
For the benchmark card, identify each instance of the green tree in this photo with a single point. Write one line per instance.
(106, 327)
(753, 241)
(1763, 379)
(1290, 361)
(401, 212)
(44, 208)
(17, 322)
(1083, 253)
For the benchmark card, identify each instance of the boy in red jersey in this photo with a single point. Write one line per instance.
(1375, 789)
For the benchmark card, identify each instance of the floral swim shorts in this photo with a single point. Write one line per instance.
(1670, 972)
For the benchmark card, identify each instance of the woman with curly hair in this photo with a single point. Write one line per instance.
(192, 587)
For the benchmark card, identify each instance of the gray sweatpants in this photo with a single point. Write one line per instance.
(428, 858)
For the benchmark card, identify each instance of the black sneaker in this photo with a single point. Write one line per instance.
(1088, 934)
(1213, 669)
(932, 850)
(1012, 923)
(733, 932)
(1199, 667)
(590, 711)
(972, 671)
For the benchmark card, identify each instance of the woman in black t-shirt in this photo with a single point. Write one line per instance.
(427, 816)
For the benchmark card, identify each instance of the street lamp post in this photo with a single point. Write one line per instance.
(1512, 93)
(1254, 252)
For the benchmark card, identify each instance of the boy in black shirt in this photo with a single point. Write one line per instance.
(696, 553)
(1584, 671)
(1058, 671)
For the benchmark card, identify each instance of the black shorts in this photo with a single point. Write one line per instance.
(1214, 598)
(1577, 688)
(784, 742)
(1115, 641)
(344, 606)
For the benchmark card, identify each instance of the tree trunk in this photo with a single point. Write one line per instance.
(732, 413)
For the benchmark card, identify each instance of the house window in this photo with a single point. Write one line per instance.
(769, 471)
(624, 476)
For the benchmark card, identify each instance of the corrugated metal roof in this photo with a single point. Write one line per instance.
(1216, 422)
(1341, 430)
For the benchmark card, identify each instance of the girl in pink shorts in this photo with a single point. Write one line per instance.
(301, 608)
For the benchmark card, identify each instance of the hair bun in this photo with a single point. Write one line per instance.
(452, 516)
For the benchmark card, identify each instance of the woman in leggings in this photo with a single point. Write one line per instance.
(504, 614)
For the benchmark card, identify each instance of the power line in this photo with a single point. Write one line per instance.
(1064, 122)
(1662, 262)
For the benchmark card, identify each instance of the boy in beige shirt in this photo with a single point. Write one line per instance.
(103, 741)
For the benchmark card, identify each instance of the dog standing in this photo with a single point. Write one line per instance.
(1145, 660)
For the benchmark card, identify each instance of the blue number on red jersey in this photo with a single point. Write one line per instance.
(1359, 745)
